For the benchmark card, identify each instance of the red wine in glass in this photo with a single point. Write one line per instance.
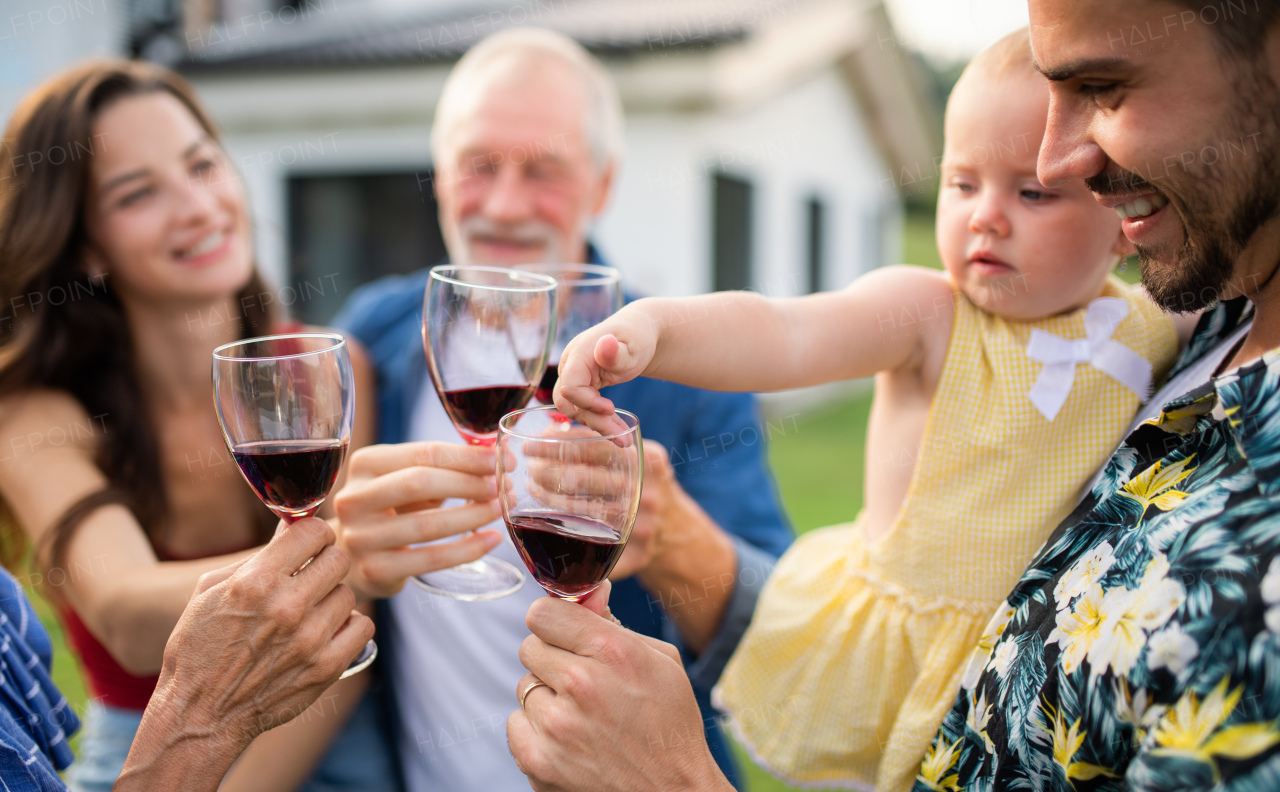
(475, 412)
(292, 477)
(569, 496)
(548, 383)
(568, 554)
(286, 405)
(487, 334)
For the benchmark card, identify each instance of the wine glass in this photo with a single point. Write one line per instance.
(487, 332)
(286, 404)
(569, 496)
(586, 295)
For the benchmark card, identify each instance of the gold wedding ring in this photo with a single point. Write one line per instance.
(524, 694)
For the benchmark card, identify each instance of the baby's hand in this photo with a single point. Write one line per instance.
(617, 350)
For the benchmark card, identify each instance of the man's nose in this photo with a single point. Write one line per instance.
(510, 199)
(1068, 150)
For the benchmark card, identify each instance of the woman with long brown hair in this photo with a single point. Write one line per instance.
(125, 259)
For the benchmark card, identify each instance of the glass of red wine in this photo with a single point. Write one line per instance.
(286, 404)
(487, 332)
(587, 294)
(569, 496)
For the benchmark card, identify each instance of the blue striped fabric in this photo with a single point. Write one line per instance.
(35, 720)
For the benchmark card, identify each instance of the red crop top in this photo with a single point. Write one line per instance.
(107, 679)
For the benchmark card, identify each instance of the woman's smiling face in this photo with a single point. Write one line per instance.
(165, 214)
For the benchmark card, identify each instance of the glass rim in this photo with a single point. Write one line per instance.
(338, 339)
(503, 428)
(545, 283)
(602, 275)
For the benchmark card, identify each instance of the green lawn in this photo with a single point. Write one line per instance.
(818, 461)
(918, 244)
(818, 464)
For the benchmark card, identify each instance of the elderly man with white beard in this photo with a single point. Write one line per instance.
(527, 143)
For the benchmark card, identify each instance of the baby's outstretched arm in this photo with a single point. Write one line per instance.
(741, 341)
(617, 350)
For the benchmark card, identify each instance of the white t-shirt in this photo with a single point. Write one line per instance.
(455, 666)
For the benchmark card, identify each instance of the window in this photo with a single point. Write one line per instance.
(731, 233)
(345, 231)
(815, 229)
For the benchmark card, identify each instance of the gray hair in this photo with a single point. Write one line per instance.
(602, 125)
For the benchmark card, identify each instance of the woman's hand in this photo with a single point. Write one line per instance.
(617, 350)
(392, 500)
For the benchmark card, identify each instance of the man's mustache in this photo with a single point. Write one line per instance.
(520, 233)
(1118, 181)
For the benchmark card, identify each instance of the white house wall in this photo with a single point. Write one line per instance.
(809, 140)
(302, 123)
(657, 226)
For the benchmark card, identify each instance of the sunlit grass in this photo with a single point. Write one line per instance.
(818, 465)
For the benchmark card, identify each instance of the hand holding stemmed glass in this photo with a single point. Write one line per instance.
(487, 332)
(569, 496)
(286, 405)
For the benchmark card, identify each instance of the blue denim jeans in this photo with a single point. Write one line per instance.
(104, 743)
(358, 761)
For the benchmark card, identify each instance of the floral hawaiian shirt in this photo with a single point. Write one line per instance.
(1141, 649)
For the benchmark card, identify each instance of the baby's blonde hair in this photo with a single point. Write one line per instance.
(1010, 55)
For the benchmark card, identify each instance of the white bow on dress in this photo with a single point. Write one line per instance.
(1098, 349)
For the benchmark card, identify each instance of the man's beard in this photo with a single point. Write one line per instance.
(1222, 204)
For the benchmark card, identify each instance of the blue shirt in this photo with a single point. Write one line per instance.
(35, 720)
(715, 441)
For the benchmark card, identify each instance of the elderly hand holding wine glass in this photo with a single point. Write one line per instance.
(286, 404)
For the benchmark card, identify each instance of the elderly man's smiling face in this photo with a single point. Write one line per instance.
(1163, 127)
(516, 182)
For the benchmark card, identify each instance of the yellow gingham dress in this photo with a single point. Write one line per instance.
(856, 650)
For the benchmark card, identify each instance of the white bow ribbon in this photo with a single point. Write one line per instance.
(1097, 349)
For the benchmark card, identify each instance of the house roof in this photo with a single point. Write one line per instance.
(334, 36)
(675, 54)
